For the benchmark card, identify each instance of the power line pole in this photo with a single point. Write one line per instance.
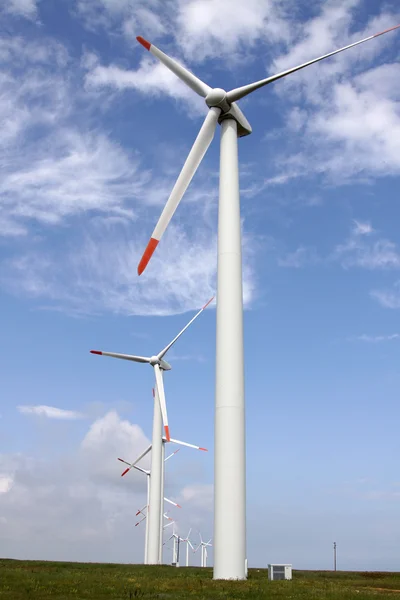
(334, 556)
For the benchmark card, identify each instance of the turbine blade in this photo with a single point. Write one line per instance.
(161, 399)
(139, 458)
(139, 359)
(188, 445)
(184, 75)
(241, 92)
(193, 160)
(172, 454)
(141, 470)
(124, 461)
(163, 352)
(173, 503)
(138, 523)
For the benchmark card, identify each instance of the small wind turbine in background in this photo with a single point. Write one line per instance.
(229, 483)
(176, 539)
(159, 416)
(188, 543)
(203, 551)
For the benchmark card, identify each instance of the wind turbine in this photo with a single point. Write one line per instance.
(229, 484)
(159, 416)
(204, 554)
(188, 543)
(175, 548)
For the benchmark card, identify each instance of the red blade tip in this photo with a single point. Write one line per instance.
(125, 472)
(167, 433)
(148, 253)
(204, 449)
(121, 459)
(96, 352)
(211, 299)
(144, 42)
(178, 506)
(387, 30)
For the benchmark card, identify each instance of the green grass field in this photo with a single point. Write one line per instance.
(59, 581)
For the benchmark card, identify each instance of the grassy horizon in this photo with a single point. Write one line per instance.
(46, 580)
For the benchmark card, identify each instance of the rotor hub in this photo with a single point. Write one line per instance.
(216, 97)
(154, 360)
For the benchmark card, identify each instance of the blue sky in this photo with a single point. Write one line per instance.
(94, 134)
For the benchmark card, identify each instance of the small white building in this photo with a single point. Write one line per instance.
(279, 572)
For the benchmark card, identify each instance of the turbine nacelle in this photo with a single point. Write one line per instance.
(154, 360)
(218, 98)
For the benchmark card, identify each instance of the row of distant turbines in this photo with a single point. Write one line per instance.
(229, 461)
(177, 539)
(154, 509)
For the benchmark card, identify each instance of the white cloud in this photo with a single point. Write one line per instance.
(350, 119)
(22, 8)
(151, 78)
(110, 438)
(50, 412)
(50, 168)
(362, 228)
(224, 27)
(200, 28)
(76, 506)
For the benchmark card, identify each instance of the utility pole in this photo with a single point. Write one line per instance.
(334, 556)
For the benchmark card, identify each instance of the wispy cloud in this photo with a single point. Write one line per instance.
(50, 412)
(55, 171)
(375, 339)
(363, 250)
(388, 298)
(299, 258)
(348, 127)
(151, 78)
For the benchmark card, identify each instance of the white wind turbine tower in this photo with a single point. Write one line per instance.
(229, 483)
(159, 416)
